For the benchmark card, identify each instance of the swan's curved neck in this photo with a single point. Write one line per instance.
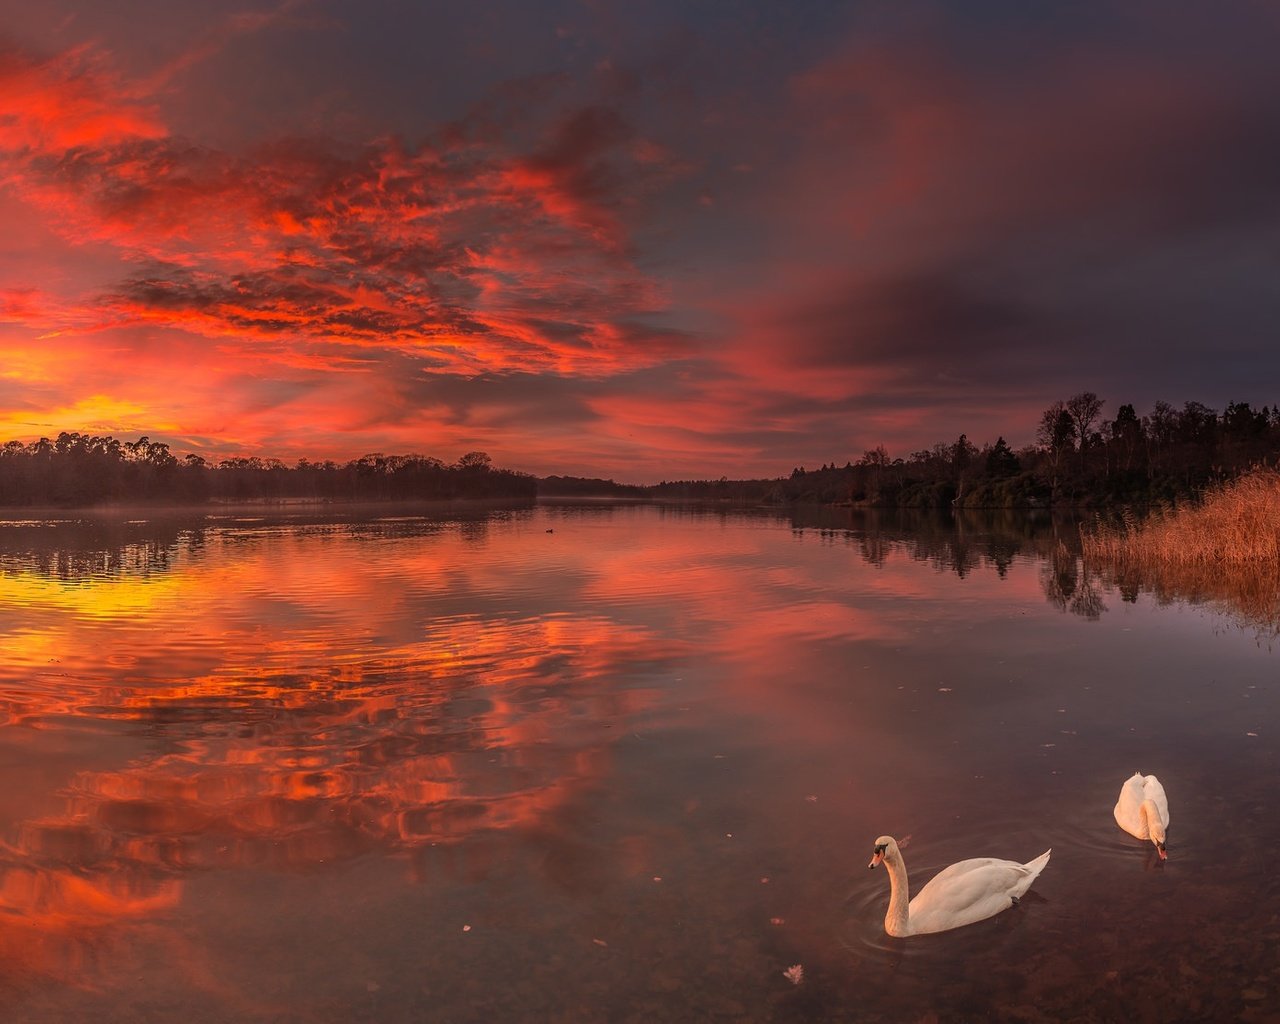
(898, 917)
(1151, 816)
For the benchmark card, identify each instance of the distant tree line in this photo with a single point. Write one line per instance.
(588, 486)
(1079, 459)
(78, 469)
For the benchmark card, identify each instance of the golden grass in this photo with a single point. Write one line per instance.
(1225, 550)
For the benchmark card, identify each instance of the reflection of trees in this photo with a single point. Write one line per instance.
(971, 540)
(1068, 588)
(1060, 575)
(959, 542)
(75, 550)
(112, 546)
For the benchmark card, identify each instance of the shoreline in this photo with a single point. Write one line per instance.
(9, 513)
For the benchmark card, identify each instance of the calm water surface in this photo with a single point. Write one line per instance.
(612, 764)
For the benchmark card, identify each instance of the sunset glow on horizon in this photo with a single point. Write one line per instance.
(644, 244)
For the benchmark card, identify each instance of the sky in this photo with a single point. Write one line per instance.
(645, 241)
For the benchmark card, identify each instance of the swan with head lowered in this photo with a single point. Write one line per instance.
(966, 892)
(1143, 810)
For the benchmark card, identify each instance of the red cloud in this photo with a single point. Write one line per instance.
(69, 101)
(460, 252)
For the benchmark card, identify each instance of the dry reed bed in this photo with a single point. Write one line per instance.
(1225, 550)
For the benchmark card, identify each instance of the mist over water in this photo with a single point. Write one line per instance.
(613, 763)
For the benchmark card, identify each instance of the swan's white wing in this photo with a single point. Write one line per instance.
(1127, 811)
(969, 891)
(1152, 790)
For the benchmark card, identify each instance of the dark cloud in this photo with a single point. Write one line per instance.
(907, 322)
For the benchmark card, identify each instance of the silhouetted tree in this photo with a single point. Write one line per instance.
(1001, 462)
(1084, 409)
(1055, 433)
(1126, 433)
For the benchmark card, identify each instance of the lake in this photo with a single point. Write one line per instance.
(602, 762)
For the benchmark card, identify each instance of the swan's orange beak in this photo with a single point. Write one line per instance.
(876, 858)
(1164, 854)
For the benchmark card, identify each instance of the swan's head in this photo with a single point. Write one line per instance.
(886, 848)
(1157, 837)
(1155, 826)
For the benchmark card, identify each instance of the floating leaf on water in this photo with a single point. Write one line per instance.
(777, 920)
(944, 689)
(466, 927)
(794, 974)
(600, 942)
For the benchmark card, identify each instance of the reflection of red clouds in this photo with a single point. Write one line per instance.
(481, 727)
(775, 625)
(59, 899)
(53, 917)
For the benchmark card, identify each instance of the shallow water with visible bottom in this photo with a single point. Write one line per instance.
(612, 763)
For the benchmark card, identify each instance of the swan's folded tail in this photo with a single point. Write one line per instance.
(1037, 865)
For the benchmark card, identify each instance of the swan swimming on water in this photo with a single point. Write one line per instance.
(1143, 810)
(964, 893)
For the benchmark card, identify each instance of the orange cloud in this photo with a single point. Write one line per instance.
(65, 103)
(457, 253)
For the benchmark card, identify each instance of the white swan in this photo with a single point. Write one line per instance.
(964, 893)
(1143, 810)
